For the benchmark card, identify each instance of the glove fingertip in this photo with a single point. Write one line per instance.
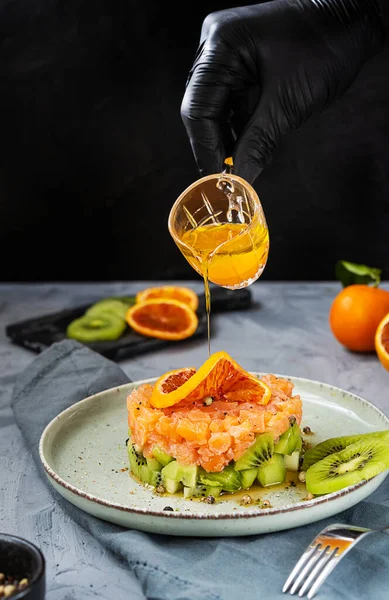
(249, 169)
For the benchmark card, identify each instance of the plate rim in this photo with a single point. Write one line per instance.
(252, 513)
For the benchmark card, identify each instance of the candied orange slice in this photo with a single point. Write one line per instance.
(382, 342)
(166, 319)
(175, 292)
(220, 376)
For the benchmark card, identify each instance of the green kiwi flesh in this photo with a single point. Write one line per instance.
(185, 474)
(336, 444)
(358, 461)
(108, 305)
(248, 477)
(273, 471)
(257, 454)
(229, 479)
(161, 469)
(105, 326)
(290, 440)
(162, 456)
(146, 470)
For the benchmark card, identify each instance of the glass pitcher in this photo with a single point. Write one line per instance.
(219, 225)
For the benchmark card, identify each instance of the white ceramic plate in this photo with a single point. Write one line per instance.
(83, 451)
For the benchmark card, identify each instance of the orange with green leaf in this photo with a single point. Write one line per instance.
(358, 309)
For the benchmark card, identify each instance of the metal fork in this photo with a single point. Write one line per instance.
(322, 555)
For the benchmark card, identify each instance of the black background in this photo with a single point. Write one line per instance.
(94, 152)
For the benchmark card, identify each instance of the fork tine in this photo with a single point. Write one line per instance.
(299, 567)
(331, 564)
(317, 571)
(307, 568)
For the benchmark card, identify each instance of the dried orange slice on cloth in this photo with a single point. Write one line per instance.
(175, 292)
(220, 376)
(382, 342)
(166, 319)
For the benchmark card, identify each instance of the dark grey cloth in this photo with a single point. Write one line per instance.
(176, 568)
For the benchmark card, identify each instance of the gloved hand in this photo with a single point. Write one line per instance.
(263, 70)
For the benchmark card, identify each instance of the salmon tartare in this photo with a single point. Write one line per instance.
(232, 430)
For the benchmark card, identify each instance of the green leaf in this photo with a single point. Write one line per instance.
(349, 273)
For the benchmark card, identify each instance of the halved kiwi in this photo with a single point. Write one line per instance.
(105, 326)
(359, 461)
(336, 444)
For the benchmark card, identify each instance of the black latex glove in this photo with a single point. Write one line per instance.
(263, 70)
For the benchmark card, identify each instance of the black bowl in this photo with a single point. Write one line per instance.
(20, 559)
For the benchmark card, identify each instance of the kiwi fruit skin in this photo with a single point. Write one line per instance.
(336, 444)
(358, 461)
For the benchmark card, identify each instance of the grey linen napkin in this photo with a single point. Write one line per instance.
(177, 568)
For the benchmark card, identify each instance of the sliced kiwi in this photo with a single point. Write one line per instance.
(96, 329)
(228, 479)
(359, 461)
(171, 485)
(273, 471)
(336, 444)
(161, 456)
(290, 440)
(127, 300)
(248, 476)
(108, 305)
(258, 453)
(145, 469)
(292, 461)
(185, 474)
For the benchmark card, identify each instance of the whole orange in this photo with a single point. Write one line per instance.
(355, 314)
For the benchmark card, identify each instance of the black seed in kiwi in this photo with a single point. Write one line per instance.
(257, 454)
(336, 444)
(359, 461)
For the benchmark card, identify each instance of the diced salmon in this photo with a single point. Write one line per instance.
(215, 434)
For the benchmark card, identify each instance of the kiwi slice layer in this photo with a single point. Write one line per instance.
(96, 328)
(359, 461)
(336, 444)
(108, 305)
(257, 454)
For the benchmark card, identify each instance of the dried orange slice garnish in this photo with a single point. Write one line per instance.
(382, 342)
(164, 319)
(175, 292)
(220, 376)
